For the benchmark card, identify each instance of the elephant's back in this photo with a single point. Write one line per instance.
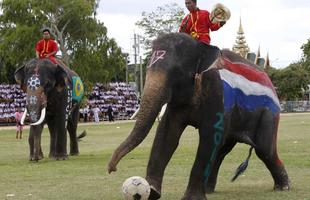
(246, 85)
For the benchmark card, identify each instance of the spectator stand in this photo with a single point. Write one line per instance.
(11, 97)
(119, 95)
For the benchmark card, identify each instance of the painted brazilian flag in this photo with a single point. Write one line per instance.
(78, 89)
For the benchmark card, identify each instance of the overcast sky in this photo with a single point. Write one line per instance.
(280, 27)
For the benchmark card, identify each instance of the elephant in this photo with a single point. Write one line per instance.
(54, 94)
(226, 97)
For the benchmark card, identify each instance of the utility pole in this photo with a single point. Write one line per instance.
(125, 55)
(136, 53)
(141, 77)
(138, 68)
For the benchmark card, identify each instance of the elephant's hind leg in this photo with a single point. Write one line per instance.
(72, 126)
(267, 150)
(61, 138)
(52, 129)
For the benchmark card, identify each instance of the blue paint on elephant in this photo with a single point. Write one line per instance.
(247, 92)
(235, 96)
(217, 139)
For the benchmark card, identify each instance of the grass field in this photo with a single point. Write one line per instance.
(86, 177)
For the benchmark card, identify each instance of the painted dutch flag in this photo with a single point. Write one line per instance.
(247, 88)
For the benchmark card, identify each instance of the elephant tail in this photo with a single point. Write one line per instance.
(83, 134)
(242, 167)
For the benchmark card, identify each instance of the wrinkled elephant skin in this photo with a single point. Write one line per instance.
(227, 98)
(49, 101)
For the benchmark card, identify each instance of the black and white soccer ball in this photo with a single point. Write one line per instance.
(136, 188)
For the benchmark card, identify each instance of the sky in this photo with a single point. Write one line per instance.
(278, 27)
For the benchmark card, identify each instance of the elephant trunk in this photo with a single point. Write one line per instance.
(35, 106)
(154, 96)
(42, 117)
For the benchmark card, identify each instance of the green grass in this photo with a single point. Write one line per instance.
(86, 177)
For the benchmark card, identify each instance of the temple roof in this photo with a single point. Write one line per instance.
(240, 46)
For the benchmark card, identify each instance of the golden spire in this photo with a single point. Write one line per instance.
(240, 45)
(240, 31)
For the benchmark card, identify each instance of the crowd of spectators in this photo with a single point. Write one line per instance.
(11, 98)
(107, 101)
(118, 98)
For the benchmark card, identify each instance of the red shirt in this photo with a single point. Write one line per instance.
(198, 25)
(45, 47)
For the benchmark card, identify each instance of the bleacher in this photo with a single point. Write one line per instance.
(120, 96)
(11, 98)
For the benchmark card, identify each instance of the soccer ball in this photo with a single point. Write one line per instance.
(136, 188)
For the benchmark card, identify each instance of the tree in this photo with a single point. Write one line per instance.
(165, 19)
(82, 39)
(306, 50)
(306, 55)
(290, 81)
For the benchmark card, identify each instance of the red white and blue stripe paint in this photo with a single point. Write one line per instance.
(247, 87)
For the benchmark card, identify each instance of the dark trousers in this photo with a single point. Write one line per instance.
(207, 55)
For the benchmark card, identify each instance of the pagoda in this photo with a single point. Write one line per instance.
(267, 63)
(241, 46)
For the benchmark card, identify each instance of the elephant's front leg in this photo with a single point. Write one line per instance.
(225, 149)
(211, 134)
(210, 140)
(35, 143)
(166, 141)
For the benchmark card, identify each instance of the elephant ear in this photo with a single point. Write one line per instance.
(19, 76)
(61, 77)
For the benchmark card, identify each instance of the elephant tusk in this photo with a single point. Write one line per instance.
(135, 114)
(22, 120)
(41, 118)
(162, 111)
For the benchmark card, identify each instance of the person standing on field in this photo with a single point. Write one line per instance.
(19, 126)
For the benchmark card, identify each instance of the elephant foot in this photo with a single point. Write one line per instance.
(35, 158)
(74, 153)
(194, 197)
(154, 195)
(282, 184)
(195, 193)
(62, 157)
(285, 187)
(58, 157)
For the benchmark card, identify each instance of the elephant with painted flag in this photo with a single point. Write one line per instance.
(227, 98)
(54, 93)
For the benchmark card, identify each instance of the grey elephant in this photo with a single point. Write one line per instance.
(224, 96)
(54, 93)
